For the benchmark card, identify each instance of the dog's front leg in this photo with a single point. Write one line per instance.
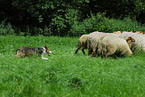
(43, 57)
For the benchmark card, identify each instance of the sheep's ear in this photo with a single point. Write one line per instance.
(133, 31)
(127, 39)
(141, 32)
(130, 38)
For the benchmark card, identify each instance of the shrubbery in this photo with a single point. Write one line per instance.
(6, 29)
(70, 26)
(70, 17)
(100, 23)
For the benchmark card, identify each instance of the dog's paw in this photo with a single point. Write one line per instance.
(44, 58)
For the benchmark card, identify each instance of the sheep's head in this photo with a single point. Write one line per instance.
(142, 32)
(130, 40)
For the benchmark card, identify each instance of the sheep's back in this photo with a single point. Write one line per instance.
(118, 44)
(83, 38)
(139, 39)
(94, 38)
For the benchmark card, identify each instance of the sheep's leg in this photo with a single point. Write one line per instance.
(104, 52)
(110, 52)
(122, 53)
(84, 47)
(79, 46)
(89, 48)
(94, 50)
(104, 55)
(89, 51)
(83, 50)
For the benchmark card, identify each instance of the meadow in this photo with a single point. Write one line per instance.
(65, 74)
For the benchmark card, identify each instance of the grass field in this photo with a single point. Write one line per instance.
(66, 74)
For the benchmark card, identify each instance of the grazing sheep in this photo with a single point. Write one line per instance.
(82, 43)
(93, 41)
(113, 45)
(139, 40)
(139, 32)
(130, 41)
(117, 32)
(133, 31)
(100, 45)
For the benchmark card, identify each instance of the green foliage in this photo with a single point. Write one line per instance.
(6, 29)
(103, 24)
(58, 16)
(62, 23)
(64, 17)
(66, 74)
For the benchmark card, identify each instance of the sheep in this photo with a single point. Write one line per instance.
(96, 32)
(139, 32)
(139, 40)
(82, 43)
(114, 45)
(117, 32)
(99, 46)
(93, 41)
(129, 40)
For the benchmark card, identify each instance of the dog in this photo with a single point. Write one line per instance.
(27, 51)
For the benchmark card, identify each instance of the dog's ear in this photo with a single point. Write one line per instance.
(46, 46)
(47, 49)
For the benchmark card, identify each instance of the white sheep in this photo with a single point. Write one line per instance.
(93, 41)
(113, 45)
(139, 40)
(139, 32)
(82, 43)
(117, 32)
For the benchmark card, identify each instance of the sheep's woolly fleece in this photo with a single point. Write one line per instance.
(139, 39)
(82, 42)
(93, 39)
(112, 45)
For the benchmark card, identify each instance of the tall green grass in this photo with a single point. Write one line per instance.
(66, 74)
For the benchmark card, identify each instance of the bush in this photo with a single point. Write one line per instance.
(6, 28)
(61, 24)
(100, 23)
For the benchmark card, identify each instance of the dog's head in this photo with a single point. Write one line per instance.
(47, 50)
